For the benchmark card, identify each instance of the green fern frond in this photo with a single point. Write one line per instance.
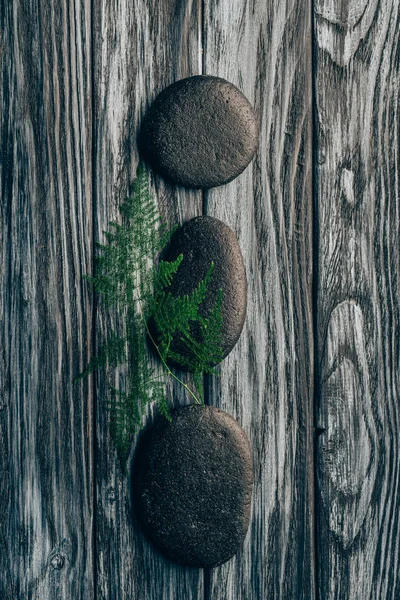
(164, 275)
(207, 350)
(126, 278)
(174, 318)
(122, 267)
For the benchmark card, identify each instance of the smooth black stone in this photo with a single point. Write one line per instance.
(200, 132)
(204, 240)
(192, 485)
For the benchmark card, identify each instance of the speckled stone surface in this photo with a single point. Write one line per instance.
(200, 132)
(204, 240)
(192, 485)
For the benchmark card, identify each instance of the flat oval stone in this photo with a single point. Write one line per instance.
(200, 132)
(192, 485)
(204, 240)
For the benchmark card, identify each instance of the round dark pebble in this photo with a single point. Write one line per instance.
(204, 240)
(200, 132)
(193, 481)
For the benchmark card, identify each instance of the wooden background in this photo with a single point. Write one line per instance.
(315, 377)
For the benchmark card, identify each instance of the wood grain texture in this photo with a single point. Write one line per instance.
(64, 170)
(140, 47)
(357, 76)
(266, 382)
(46, 487)
(341, 26)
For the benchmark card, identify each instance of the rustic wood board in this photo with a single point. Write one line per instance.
(357, 87)
(76, 78)
(140, 47)
(46, 487)
(266, 382)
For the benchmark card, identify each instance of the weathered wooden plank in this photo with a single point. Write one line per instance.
(266, 382)
(140, 47)
(46, 485)
(357, 98)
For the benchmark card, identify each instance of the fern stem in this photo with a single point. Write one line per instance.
(169, 372)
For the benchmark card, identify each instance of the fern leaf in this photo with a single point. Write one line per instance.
(207, 351)
(165, 273)
(174, 318)
(126, 279)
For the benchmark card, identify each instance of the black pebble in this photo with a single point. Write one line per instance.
(192, 485)
(204, 240)
(200, 132)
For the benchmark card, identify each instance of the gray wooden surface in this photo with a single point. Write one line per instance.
(266, 382)
(317, 217)
(46, 425)
(132, 63)
(357, 85)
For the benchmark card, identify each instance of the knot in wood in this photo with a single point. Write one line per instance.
(57, 562)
